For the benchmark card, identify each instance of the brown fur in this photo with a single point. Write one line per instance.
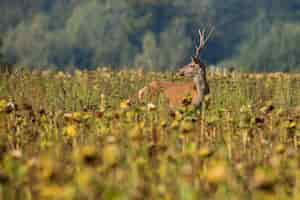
(173, 92)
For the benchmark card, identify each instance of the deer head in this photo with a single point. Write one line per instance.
(196, 68)
(192, 69)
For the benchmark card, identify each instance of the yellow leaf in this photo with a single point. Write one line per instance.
(71, 131)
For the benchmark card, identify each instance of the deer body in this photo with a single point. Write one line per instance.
(175, 93)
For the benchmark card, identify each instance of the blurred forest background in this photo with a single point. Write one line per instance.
(251, 35)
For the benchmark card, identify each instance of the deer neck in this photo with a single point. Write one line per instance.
(202, 88)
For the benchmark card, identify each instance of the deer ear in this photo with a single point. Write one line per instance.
(194, 60)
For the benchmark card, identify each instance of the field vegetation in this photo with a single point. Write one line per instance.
(83, 135)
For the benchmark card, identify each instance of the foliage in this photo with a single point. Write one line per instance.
(278, 49)
(1, 56)
(153, 34)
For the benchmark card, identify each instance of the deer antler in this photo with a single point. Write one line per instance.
(203, 40)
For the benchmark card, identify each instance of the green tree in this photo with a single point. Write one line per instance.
(1, 54)
(174, 46)
(278, 50)
(86, 34)
(148, 58)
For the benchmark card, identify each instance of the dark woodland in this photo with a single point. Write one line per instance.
(250, 35)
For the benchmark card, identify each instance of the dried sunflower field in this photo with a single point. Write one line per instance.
(84, 135)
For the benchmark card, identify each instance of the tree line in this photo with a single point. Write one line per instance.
(250, 35)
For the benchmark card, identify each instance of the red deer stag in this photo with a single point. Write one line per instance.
(175, 93)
